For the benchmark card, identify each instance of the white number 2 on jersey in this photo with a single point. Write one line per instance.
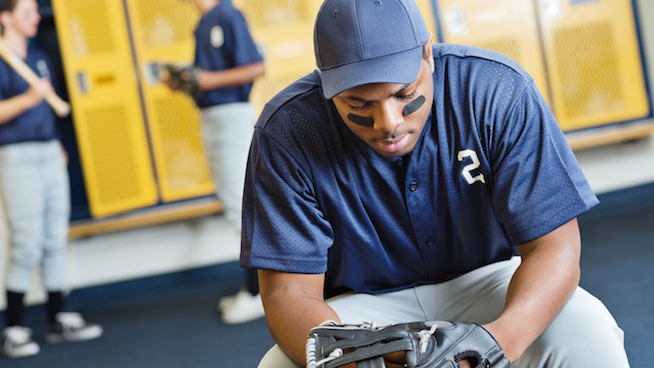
(469, 168)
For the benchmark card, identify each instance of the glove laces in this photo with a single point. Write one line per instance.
(311, 350)
(311, 354)
(369, 325)
(424, 337)
(338, 352)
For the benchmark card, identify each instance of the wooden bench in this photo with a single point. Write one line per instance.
(610, 134)
(145, 217)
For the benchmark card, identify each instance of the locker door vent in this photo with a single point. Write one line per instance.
(182, 150)
(271, 13)
(112, 154)
(89, 26)
(265, 89)
(508, 47)
(164, 23)
(588, 70)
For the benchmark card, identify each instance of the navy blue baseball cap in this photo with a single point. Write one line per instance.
(359, 42)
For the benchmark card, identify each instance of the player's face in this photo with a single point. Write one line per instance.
(25, 18)
(389, 117)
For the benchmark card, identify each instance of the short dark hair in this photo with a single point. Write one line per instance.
(8, 5)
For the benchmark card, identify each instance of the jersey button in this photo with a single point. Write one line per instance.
(413, 186)
(431, 242)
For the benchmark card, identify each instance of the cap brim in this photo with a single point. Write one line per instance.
(402, 67)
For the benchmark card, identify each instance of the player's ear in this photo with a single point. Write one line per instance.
(5, 19)
(429, 53)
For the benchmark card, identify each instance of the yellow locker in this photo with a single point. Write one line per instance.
(106, 109)
(594, 62)
(162, 31)
(283, 32)
(506, 26)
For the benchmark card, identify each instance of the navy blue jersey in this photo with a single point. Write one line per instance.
(491, 170)
(37, 124)
(223, 41)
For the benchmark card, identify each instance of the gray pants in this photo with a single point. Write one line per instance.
(227, 132)
(583, 335)
(36, 194)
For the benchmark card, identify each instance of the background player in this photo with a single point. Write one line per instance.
(230, 63)
(35, 189)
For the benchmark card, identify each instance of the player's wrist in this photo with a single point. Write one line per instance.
(29, 100)
(205, 80)
(505, 336)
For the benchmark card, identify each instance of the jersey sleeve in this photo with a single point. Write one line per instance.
(244, 50)
(538, 183)
(283, 227)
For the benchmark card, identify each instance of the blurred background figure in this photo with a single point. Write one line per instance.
(35, 187)
(228, 63)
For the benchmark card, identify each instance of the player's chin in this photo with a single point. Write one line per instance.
(31, 33)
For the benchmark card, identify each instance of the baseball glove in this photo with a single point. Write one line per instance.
(181, 78)
(431, 344)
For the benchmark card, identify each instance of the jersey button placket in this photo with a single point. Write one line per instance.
(413, 186)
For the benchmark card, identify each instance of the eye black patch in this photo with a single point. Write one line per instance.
(361, 120)
(414, 105)
(409, 108)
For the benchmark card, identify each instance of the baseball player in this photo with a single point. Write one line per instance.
(408, 181)
(229, 62)
(35, 189)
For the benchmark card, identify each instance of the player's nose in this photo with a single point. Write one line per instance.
(388, 116)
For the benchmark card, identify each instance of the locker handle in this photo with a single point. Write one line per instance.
(104, 79)
(152, 72)
(83, 82)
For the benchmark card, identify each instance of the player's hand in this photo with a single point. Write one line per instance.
(397, 360)
(419, 344)
(37, 92)
(392, 360)
(183, 79)
(173, 85)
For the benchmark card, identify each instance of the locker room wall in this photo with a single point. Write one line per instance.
(187, 244)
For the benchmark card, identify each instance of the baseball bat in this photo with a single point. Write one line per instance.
(60, 107)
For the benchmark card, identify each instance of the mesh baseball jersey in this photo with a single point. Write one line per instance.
(37, 124)
(491, 170)
(222, 42)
